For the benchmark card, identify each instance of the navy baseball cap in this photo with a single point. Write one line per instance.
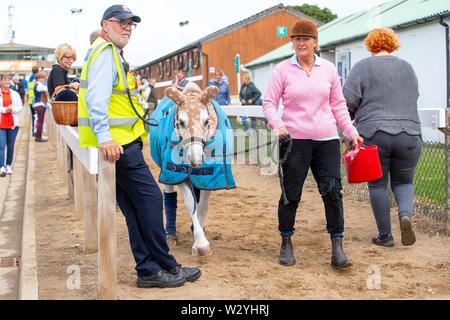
(120, 12)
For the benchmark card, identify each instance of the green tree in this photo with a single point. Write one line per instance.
(323, 15)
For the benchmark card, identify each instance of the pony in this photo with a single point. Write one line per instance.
(191, 145)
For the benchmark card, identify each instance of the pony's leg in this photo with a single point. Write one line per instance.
(170, 206)
(202, 207)
(201, 245)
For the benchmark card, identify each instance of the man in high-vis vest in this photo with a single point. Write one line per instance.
(107, 120)
(30, 93)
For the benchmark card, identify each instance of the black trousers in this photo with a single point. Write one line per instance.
(141, 202)
(324, 159)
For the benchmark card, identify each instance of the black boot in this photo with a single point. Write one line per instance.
(338, 258)
(287, 252)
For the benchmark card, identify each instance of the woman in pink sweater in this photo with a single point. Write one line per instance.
(313, 108)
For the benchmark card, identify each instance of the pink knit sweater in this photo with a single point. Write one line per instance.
(313, 105)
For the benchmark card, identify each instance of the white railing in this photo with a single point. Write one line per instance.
(94, 192)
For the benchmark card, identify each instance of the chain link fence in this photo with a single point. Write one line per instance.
(429, 181)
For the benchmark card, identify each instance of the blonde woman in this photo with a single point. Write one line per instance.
(65, 57)
(40, 104)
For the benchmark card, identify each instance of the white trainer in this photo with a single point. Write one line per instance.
(8, 169)
(2, 171)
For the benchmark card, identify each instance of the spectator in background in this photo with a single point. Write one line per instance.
(13, 83)
(65, 56)
(25, 87)
(144, 89)
(180, 82)
(30, 94)
(94, 35)
(40, 104)
(381, 93)
(152, 100)
(224, 76)
(223, 97)
(249, 96)
(21, 89)
(10, 106)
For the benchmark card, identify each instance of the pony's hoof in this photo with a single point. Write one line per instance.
(172, 241)
(202, 252)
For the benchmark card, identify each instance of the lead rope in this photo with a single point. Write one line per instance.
(280, 169)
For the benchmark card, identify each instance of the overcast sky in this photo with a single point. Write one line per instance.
(48, 23)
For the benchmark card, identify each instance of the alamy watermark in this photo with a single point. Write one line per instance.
(74, 280)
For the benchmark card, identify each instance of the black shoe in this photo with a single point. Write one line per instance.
(161, 279)
(339, 259)
(408, 236)
(190, 274)
(385, 240)
(287, 257)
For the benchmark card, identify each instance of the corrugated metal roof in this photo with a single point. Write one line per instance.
(279, 53)
(24, 47)
(233, 27)
(393, 14)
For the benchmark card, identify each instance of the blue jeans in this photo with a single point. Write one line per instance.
(7, 141)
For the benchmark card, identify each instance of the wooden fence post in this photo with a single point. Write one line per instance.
(57, 143)
(69, 172)
(107, 262)
(78, 187)
(90, 211)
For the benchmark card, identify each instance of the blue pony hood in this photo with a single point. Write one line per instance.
(165, 148)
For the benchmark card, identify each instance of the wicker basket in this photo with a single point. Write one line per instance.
(65, 112)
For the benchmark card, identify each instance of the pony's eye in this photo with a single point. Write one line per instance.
(181, 123)
(206, 123)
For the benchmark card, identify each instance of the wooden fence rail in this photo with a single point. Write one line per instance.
(91, 183)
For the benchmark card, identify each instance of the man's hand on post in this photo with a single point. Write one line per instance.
(111, 151)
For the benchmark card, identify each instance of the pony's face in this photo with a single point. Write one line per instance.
(196, 120)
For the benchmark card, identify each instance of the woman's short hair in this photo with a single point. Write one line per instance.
(3, 76)
(382, 39)
(65, 50)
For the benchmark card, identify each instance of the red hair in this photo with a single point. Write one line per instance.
(382, 39)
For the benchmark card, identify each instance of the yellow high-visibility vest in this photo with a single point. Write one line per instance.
(30, 86)
(125, 126)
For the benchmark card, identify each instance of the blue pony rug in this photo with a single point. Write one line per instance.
(165, 148)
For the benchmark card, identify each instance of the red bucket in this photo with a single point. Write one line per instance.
(362, 164)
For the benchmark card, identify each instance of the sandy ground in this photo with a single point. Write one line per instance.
(242, 229)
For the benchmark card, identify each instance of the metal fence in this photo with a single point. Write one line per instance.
(429, 181)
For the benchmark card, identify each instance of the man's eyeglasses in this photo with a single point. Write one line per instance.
(125, 24)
